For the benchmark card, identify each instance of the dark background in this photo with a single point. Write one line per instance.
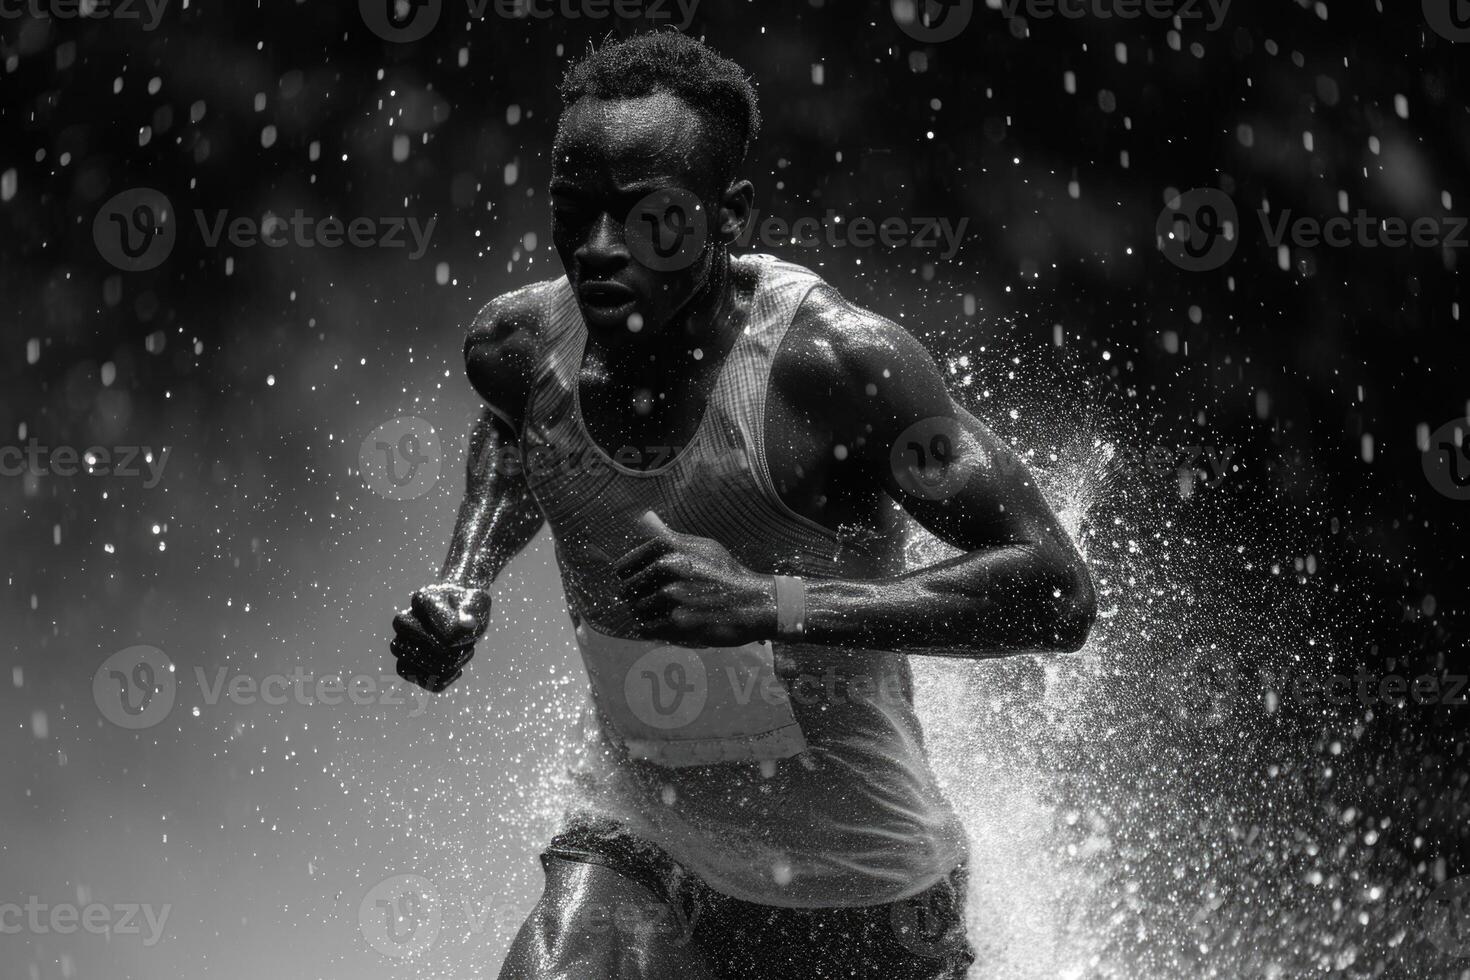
(262, 549)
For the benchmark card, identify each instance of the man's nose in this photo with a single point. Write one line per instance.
(606, 249)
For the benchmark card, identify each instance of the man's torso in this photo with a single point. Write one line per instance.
(737, 453)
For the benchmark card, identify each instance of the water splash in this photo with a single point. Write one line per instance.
(1146, 809)
(1149, 808)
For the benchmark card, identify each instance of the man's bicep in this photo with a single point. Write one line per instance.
(954, 475)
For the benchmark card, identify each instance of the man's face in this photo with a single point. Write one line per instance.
(610, 156)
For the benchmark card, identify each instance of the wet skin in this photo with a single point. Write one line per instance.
(846, 384)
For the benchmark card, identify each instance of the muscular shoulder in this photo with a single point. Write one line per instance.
(502, 348)
(848, 363)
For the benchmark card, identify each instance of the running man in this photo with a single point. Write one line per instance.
(728, 453)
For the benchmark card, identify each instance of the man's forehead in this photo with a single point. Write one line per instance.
(658, 130)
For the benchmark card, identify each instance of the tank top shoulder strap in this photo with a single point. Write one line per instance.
(559, 347)
(561, 330)
(782, 288)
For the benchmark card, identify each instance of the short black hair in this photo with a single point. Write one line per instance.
(714, 86)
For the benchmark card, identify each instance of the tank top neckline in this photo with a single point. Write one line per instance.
(701, 429)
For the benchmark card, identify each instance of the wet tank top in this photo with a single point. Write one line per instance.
(856, 817)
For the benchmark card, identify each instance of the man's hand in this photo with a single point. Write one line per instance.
(691, 590)
(435, 637)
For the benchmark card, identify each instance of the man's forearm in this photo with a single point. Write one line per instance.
(497, 518)
(987, 603)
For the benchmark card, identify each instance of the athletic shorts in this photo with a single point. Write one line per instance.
(919, 938)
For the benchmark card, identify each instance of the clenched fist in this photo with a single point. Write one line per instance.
(435, 637)
(684, 588)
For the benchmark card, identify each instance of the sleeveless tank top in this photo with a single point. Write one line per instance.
(857, 817)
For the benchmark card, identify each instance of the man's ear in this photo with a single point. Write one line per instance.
(736, 207)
